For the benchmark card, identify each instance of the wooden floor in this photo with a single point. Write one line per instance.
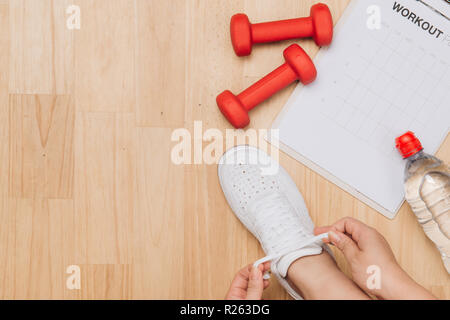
(85, 139)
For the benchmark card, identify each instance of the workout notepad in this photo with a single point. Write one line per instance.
(373, 85)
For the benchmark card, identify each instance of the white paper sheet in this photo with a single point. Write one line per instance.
(373, 85)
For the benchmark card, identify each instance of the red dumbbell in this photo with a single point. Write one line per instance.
(319, 26)
(298, 66)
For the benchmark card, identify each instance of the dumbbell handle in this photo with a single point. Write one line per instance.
(267, 86)
(298, 66)
(282, 30)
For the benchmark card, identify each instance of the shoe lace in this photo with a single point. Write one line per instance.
(283, 224)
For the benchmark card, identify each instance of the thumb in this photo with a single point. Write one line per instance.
(255, 285)
(344, 243)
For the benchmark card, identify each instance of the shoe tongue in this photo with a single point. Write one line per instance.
(274, 215)
(267, 204)
(277, 221)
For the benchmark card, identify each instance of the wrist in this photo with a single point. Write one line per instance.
(398, 285)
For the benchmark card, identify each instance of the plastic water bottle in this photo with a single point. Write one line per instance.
(427, 190)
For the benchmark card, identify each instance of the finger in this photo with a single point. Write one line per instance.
(239, 285)
(321, 230)
(255, 285)
(238, 288)
(241, 279)
(266, 284)
(344, 243)
(352, 227)
(265, 269)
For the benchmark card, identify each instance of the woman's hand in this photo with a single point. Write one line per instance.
(369, 255)
(248, 284)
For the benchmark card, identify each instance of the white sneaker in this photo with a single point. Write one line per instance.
(271, 207)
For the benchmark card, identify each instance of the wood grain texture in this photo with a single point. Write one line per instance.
(41, 146)
(104, 188)
(104, 56)
(4, 110)
(160, 32)
(158, 255)
(37, 238)
(48, 67)
(86, 176)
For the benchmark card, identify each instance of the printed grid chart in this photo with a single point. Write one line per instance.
(375, 104)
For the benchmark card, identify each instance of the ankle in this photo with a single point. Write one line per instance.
(318, 277)
(318, 268)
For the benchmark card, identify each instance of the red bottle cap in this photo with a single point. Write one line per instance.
(408, 144)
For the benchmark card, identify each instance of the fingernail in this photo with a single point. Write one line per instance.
(334, 237)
